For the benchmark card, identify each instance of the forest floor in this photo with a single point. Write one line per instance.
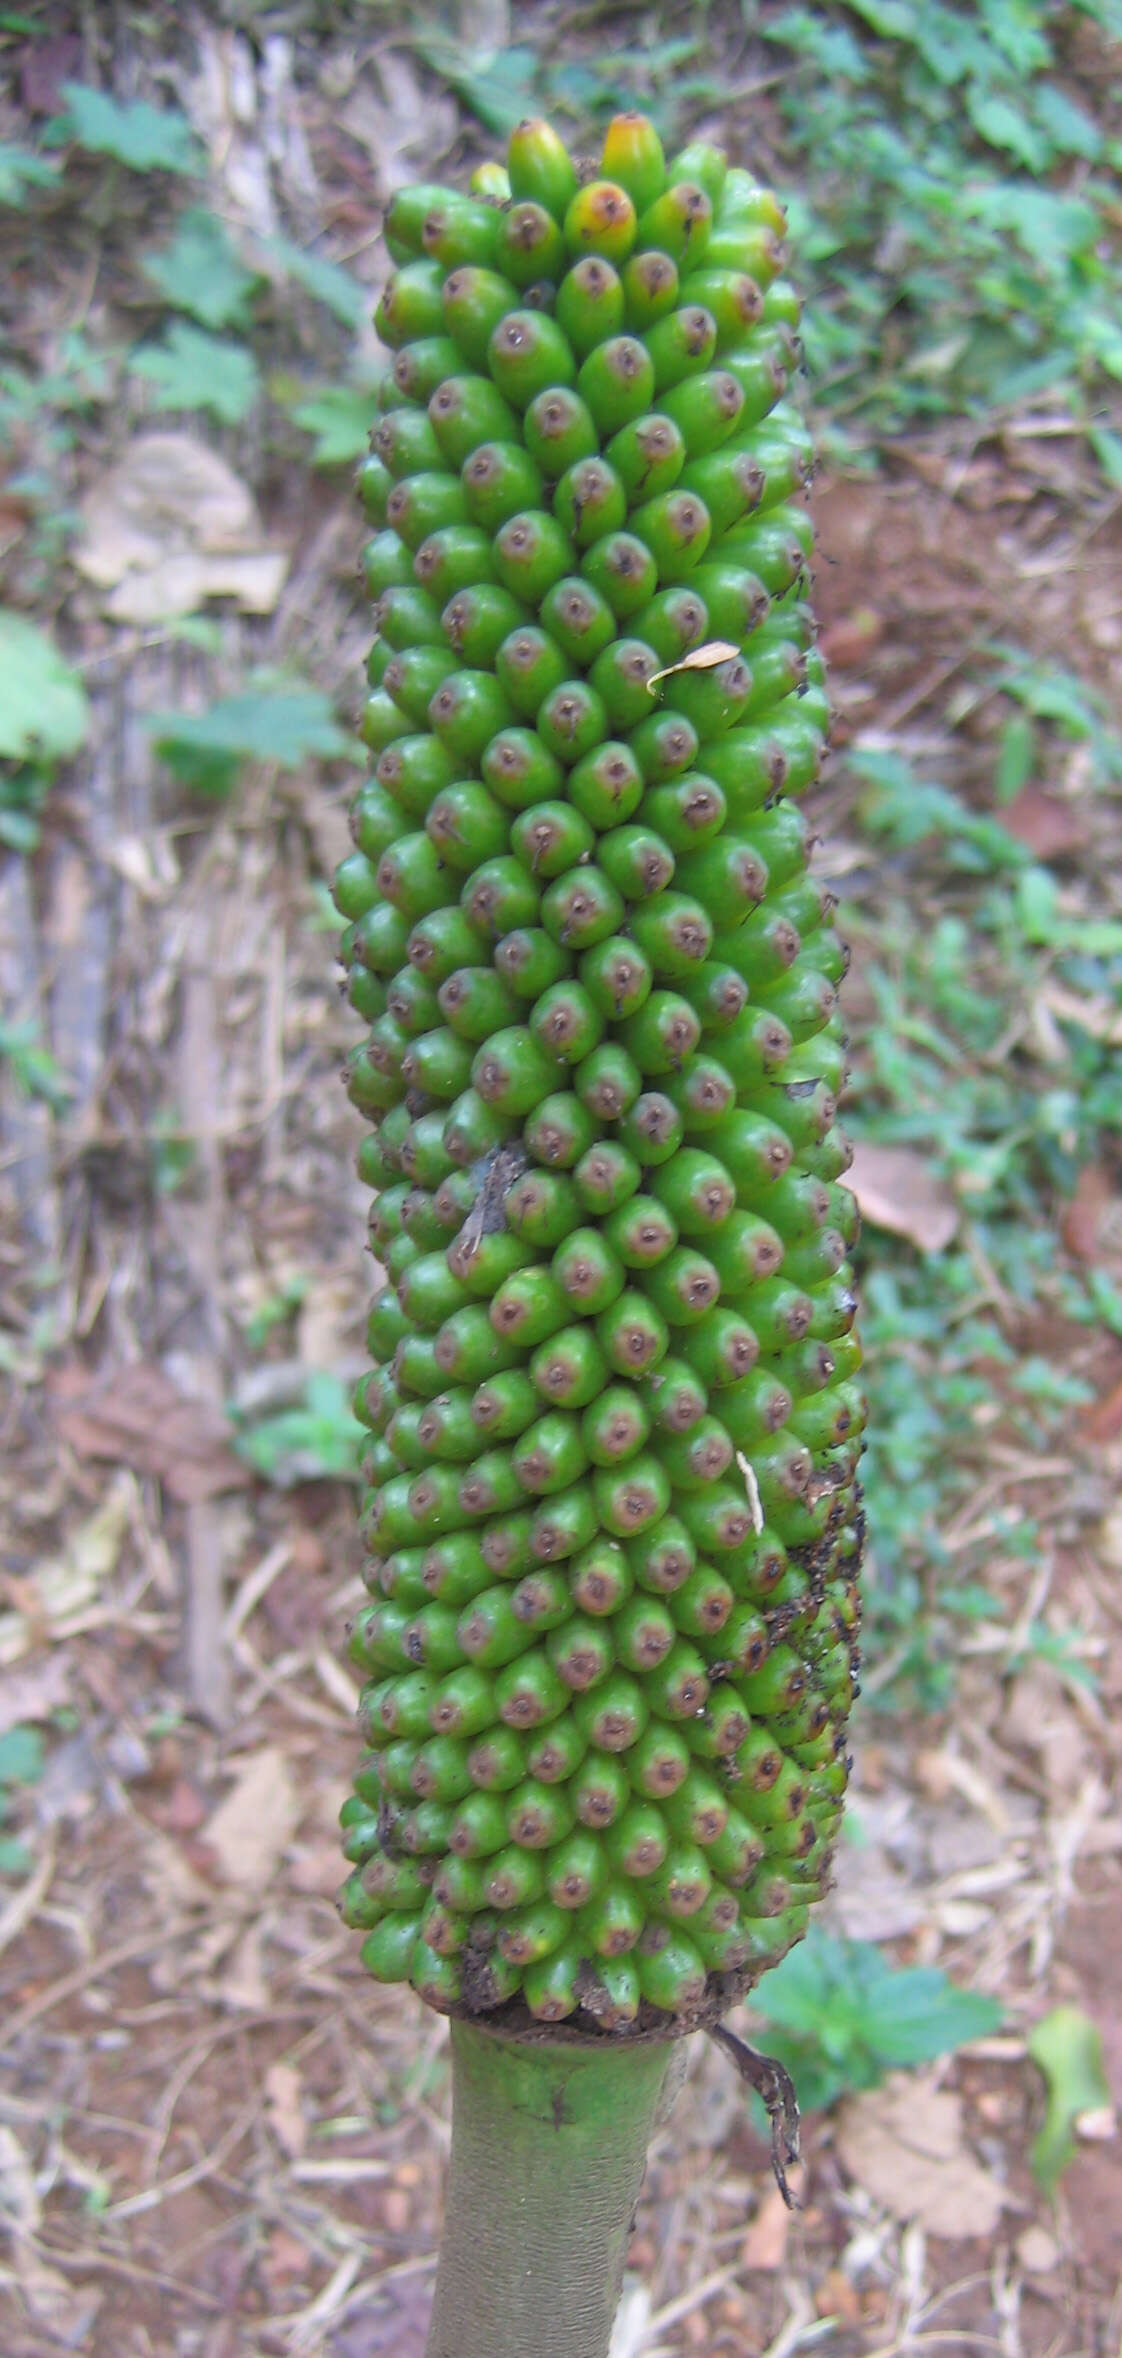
(217, 2138)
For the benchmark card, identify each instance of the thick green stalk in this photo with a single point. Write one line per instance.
(549, 2143)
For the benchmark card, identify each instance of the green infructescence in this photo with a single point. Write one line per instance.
(611, 1505)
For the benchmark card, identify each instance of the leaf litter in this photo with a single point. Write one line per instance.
(170, 525)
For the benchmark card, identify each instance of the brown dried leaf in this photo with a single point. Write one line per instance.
(765, 2244)
(242, 1980)
(1103, 1420)
(905, 2145)
(137, 1417)
(65, 1585)
(846, 642)
(895, 1190)
(253, 1825)
(286, 2258)
(33, 1694)
(704, 658)
(1085, 1217)
(1048, 826)
(172, 525)
(284, 2104)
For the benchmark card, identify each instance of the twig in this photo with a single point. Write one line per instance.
(776, 2092)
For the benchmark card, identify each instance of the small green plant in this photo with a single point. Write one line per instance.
(336, 416)
(327, 282)
(143, 138)
(172, 1153)
(840, 2016)
(501, 86)
(1052, 702)
(21, 1763)
(44, 716)
(34, 1070)
(193, 370)
(200, 272)
(318, 1438)
(273, 720)
(1067, 2050)
(43, 708)
(275, 1310)
(1007, 1133)
(1000, 276)
(21, 170)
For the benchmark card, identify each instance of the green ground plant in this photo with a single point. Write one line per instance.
(840, 2017)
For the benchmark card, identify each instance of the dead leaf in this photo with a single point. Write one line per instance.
(895, 1189)
(1085, 1216)
(243, 1981)
(394, 2326)
(846, 642)
(704, 658)
(33, 1694)
(170, 526)
(252, 1826)
(1103, 1421)
(284, 2104)
(286, 2258)
(184, 1809)
(905, 2145)
(1038, 2252)
(315, 1870)
(1047, 825)
(47, 1598)
(765, 2244)
(138, 1417)
(837, 2297)
(408, 123)
(52, 2303)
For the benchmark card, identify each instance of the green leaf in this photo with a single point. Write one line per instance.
(831, 46)
(1067, 2050)
(339, 417)
(192, 370)
(200, 272)
(337, 289)
(20, 170)
(893, 19)
(1002, 125)
(320, 1438)
(144, 138)
(21, 1757)
(35, 1071)
(849, 2015)
(1071, 131)
(1107, 448)
(1016, 757)
(920, 2014)
(15, 1857)
(43, 710)
(497, 85)
(1043, 922)
(274, 722)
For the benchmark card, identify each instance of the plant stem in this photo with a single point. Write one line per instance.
(549, 2144)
